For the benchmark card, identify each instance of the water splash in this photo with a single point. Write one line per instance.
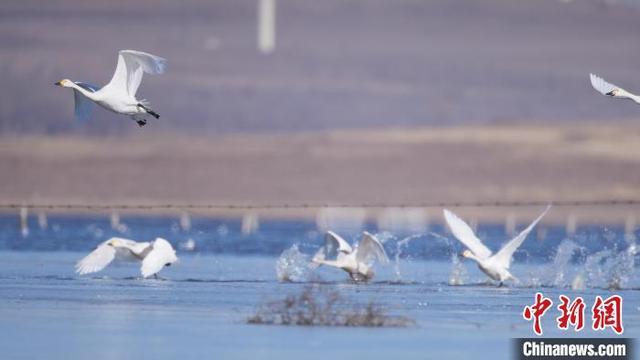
(593, 271)
(578, 283)
(621, 267)
(458, 271)
(401, 245)
(557, 272)
(292, 265)
(608, 268)
(188, 245)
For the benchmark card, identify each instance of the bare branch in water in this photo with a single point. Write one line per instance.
(317, 305)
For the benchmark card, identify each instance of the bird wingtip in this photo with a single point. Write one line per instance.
(160, 65)
(448, 214)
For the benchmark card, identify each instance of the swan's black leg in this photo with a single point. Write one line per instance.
(155, 276)
(149, 111)
(153, 113)
(141, 123)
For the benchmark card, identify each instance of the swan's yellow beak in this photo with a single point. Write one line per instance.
(59, 83)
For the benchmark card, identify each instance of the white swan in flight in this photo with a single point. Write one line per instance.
(356, 262)
(496, 266)
(608, 89)
(153, 255)
(119, 95)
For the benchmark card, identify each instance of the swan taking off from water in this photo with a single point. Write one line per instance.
(153, 255)
(357, 262)
(605, 88)
(119, 95)
(496, 266)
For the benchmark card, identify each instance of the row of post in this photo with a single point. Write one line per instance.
(414, 220)
(250, 222)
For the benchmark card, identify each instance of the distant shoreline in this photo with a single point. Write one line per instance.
(385, 166)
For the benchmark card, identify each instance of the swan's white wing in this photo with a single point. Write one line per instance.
(131, 65)
(97, 260)
(465, 234)
(602, 86)
(503, 257)
(334, 244)
(132, 250)
(83, 106)
(370, 249)
(160, 255)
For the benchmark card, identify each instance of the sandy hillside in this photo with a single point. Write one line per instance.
(392, 167)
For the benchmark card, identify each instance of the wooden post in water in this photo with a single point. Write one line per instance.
(115, 220)
(427, 221)
(474, 224)
(572, 224)
(250, 223)
(510, 224)
(42, 220)
(630, 225)
(403, 220)
(266, 26)
(24, 224)
(541, 233)
(185, 221)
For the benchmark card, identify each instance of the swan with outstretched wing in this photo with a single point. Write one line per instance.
(154, 256)
(358, 262)
(119, 95)
(608, 89)
(496, 266)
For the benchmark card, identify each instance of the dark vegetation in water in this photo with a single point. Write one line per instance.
(318, 305)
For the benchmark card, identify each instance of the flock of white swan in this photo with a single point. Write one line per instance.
(119, 96)
(357, 260)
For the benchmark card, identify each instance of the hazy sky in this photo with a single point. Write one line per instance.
(337, 64)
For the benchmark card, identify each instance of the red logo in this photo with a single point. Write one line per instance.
(572, 313)
(608, 313)
(536, 311)
(605, 313)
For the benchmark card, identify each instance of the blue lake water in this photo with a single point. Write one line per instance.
(200, 306)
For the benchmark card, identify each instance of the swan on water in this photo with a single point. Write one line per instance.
(496, 266)
(356, 262)
(153, 255)
(608, 89)
(119, 95)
